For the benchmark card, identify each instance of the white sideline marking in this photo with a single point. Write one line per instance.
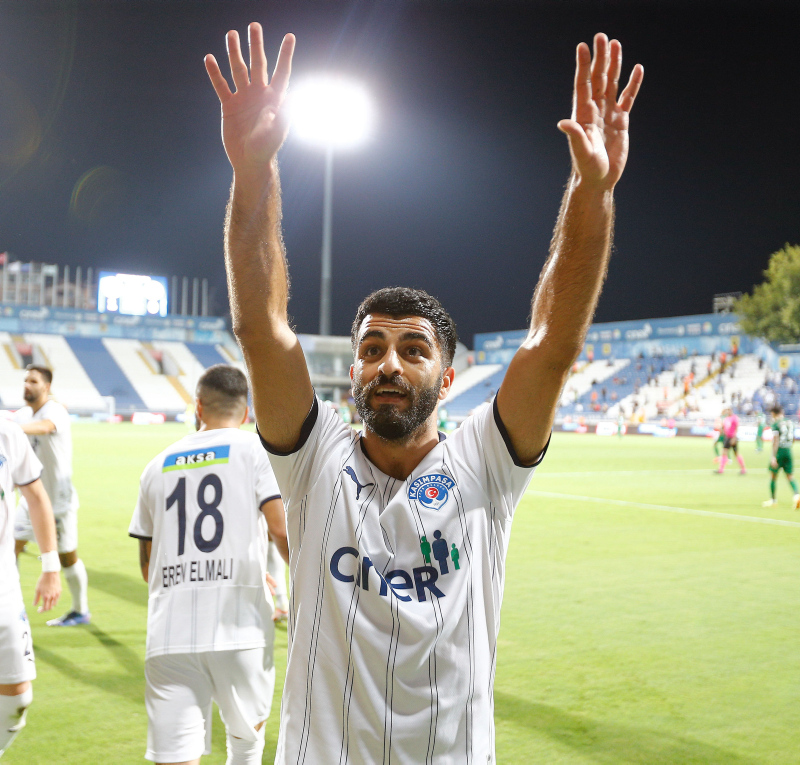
(666, 508)
(569, 473)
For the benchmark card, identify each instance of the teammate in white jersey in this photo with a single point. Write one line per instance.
(47, 425)
(205, 507)
(19, 466)
(397, 536)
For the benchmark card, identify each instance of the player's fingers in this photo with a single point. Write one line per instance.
(238, 67)
(283, 66)
(583, 85)
(258, 59)
(600, 66)
(632, 88)
(217, 80)
(614, 69)
(579, 142)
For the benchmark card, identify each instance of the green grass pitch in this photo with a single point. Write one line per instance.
(650, 616)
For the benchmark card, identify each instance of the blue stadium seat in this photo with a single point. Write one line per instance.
(104, 372)
(207, 355)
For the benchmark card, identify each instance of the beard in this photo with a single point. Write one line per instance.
(388, 421)
(29, 396)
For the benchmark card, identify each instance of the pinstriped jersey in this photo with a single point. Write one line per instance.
(18, 466)
(396, 594)
(200, 504)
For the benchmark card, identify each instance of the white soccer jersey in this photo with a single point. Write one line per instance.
(18, 466)
(55, 452)
(396, 593)
(200, 502)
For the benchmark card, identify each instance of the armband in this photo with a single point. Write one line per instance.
(50, 562)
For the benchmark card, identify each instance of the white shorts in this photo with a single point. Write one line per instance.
(17, 663)
(180, 688)
(66, 527)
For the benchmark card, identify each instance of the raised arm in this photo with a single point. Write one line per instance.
(569, 286)
(254, 126)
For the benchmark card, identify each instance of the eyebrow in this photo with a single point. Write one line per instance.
(405, 336)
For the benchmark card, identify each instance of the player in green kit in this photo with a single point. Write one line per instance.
(761, 421)
(782, 442)
(718, 444)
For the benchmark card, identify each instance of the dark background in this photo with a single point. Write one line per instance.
(459, 189)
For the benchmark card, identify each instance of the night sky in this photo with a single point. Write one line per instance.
(110, 153)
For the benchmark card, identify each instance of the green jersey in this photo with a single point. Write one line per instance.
(784, 430)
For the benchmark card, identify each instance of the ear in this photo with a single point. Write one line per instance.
(244, 417)
(447, 382)
(351, 373)
(198, 408)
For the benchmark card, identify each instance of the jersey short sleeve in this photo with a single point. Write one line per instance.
(25, 465)
(57, 414)
(297, 470)
(142, 522)
(266, 483)
(485, 443)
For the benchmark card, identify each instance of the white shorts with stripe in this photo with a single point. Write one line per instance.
(66, 527)
(17, 663)
(179, 691)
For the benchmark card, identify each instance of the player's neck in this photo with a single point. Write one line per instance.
(217, 425)
(398, 459)
(38, 404)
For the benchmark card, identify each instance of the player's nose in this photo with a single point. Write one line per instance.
(390, 364)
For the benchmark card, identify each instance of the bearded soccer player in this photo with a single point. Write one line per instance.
(47, 425)
(205, 506)
(398, 535)
(19, 466)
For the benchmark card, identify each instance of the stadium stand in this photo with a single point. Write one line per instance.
(207, 355)
(71, 385)
(155, 389)
(476, 388)
(12, 373)
(105, 373)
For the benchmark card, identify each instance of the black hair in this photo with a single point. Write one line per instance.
(45, 372)
(777, 409)
(406, 301)
(222, 389)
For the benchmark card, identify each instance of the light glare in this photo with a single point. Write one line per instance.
(330, 112)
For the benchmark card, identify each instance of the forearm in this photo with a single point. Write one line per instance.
(38, 428)
(255, 259)
(145, 546)
(41, 514)
(569, 286)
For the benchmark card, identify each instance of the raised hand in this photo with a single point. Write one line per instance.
(598, 129)
(253, 122)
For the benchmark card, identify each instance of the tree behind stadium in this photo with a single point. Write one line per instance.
(773, 310)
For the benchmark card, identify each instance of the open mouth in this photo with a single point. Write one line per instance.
(389, 395)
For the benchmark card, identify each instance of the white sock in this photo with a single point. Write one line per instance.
(277, 570)
(242, 752)
(78, 582)
(12, 717)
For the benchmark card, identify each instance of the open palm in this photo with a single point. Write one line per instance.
(598, 128)
(253, 122)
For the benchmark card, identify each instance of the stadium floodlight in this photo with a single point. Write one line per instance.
(334, 114)
(330, 112)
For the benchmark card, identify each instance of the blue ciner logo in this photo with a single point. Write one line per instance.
(432, 491)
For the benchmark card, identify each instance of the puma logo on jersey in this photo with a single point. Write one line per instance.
(359, 486)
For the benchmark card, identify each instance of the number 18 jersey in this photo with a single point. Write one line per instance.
(200, 504)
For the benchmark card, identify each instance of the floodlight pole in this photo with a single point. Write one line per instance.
(327, 221)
